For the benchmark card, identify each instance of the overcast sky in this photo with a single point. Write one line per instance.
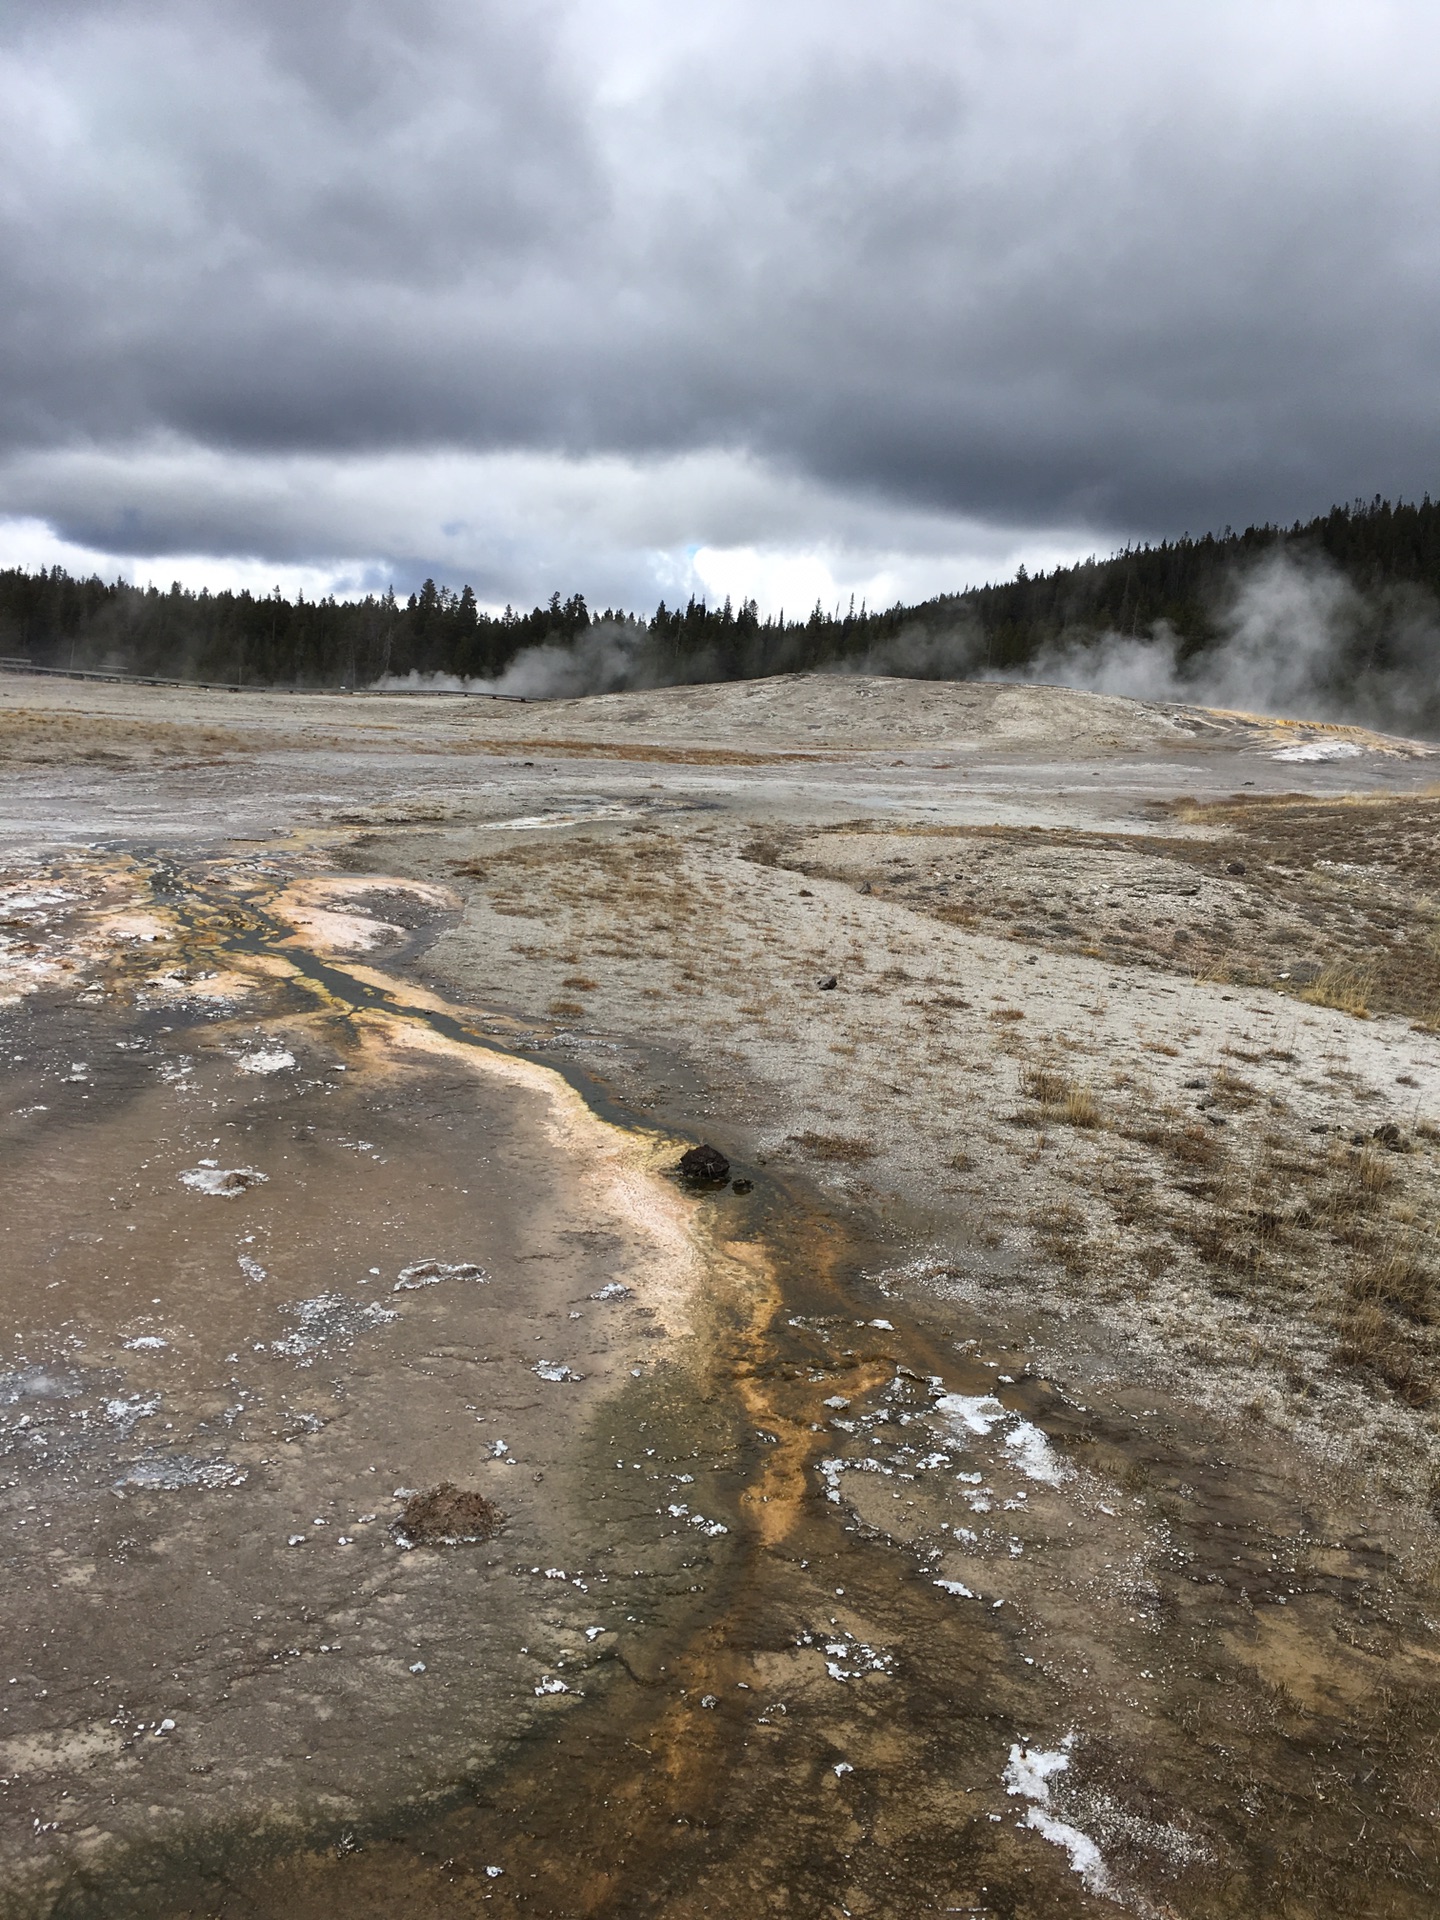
(791, 297)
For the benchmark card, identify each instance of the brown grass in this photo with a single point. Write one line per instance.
(1343, 988)
(836, 1147)
(1060, 1097)
(1374, 1172)
(1081, 1108)
(641, 750)
(1368, 1338)
(1063, 1233)
(1395, 1277)
(1045, 1084)
(1192, 1143)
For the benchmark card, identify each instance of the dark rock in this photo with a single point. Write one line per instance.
(704, 1163)
(1235, 866)
(742, 1186)
(1389, 1135)
(864, 887)
(828, 984)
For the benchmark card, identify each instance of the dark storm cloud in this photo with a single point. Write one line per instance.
(1109, 267)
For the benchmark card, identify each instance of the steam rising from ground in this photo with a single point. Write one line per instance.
(606, 658)
(1294, 636)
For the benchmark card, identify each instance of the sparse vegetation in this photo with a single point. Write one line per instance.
(1341, 987)
(839, 1148)
(1314, 1238)
(1060, 1097)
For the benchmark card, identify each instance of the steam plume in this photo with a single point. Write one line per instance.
(1293, 636)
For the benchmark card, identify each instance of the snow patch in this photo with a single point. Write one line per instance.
(1320, 750)
(266, 1060)
(1027, 1446)
(1033, 1454)
(223, 1182)
(328, 1319)
(977, 1413)
(429, 1273)
(172, 1472)
(1028, 1775)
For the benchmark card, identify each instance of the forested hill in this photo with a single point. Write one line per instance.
(1390, 553)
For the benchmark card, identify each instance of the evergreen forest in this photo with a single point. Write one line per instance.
(1177, 590)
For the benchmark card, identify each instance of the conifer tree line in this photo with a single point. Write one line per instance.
(1178, 586)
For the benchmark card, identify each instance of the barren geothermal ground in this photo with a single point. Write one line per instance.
(1013, 1492)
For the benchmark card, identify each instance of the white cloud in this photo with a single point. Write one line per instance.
(31, 544)
(795, 578)
(516, 526)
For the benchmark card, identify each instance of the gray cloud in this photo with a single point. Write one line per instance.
(1114, 269)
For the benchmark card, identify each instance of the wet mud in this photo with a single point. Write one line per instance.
(804, 1593)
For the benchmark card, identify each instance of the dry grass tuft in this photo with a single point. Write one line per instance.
(1046, 1084)
(1060, 1098)
(1368, 1339)
(1343, 988)
(837, 1147)
(1374, 1173)
(1081, 1108)
(1394, 1276)
(1190, 1143)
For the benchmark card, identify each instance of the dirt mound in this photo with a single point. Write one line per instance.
(448, 1516)
(820, 712)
